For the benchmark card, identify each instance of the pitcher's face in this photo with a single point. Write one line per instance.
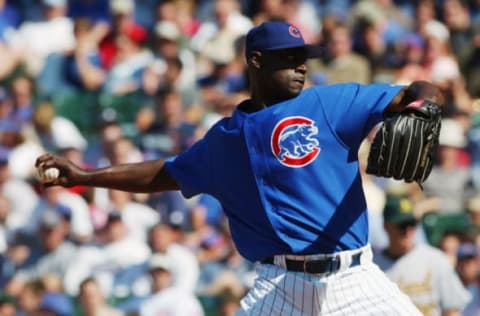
(283, 72)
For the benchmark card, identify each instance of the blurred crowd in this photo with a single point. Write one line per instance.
(117, 81)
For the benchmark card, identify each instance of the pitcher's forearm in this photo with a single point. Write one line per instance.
(415, 91)
(148, 176)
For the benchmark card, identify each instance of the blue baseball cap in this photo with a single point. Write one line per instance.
(276, 35)
(467, 250)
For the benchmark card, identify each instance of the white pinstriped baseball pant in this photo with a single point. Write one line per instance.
(360, 291)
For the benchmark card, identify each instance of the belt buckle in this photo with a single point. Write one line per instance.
(305, 265)
(332, 265)
(335, 263)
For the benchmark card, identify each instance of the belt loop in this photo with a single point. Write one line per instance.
(345, 261)
(367, 255)
(279, 260)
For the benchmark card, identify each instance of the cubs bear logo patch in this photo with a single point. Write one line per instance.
(294, 141)
(294, 32)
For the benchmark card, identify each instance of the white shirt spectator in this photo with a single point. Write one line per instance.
(185, 271)
(22, 158)
(103, 261)
(3, 239)
(40, 39)
(172, 301)
(80, 223)
(66, 134)
(23, 200)
(139, 218)
(56, 262)
(427, 277)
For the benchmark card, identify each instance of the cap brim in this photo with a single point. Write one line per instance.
(402, 220)
(314, 50)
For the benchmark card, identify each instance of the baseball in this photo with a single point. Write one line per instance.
(51, 174)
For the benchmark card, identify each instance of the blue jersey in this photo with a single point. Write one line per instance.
(287, 176)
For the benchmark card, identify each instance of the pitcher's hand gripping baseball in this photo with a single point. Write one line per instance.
(404, 146)
(56, 170)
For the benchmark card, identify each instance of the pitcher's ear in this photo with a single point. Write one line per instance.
(255, 59)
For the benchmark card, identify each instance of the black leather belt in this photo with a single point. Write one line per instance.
(316, 266)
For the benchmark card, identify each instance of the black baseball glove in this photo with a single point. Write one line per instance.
(405, 144)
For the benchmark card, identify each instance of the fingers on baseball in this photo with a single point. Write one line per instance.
(48, 170)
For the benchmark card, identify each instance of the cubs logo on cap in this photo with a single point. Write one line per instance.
(294, 141)
(294, 31)
(276, 36)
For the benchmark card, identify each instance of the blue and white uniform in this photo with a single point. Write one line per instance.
(288, 179)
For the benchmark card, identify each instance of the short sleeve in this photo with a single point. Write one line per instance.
(192, 169)
(354, 109)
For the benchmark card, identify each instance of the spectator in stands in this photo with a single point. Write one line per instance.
(9, 18)
(130, 60)
(449, 181)
(51, 253)
(424, 13)
(14, 139)
(22, 90)
(163, 239)
(473, 213)
(165, 298)
(473, 308)
(92, 300)
(6, 106)
(5, 234)
(55, 304)
(171, 206)
(342, 64)
(105, 258)
(265, 10)
(125, 151)
(449, 243)
(30, 298)
(122, 14)
(164, 131)
(55, 132)
(138, 217)
(210, 209)
(8, 305)
(434, 289)
(185, 15)
(387, 13)
(101, 149)
(215, 39)
(458, 20)
(69, 204)
(36, 41)
(170, 45)
(469, 63)
(468, 267)
(96, 11)
(83, 70)
(375, 197)
(224, 273)
(20, 194)
(413, 67)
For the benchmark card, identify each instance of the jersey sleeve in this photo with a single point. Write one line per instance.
(192, 169)
(354, 109)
